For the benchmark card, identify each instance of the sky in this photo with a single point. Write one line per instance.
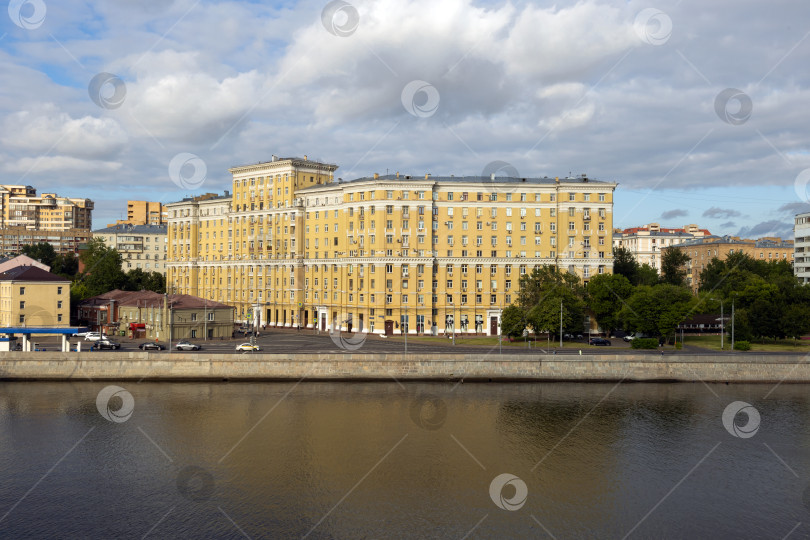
(698, 110)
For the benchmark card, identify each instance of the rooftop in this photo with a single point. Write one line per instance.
(151, 299)
(495, 181)
(736, 240)
(31, 273)
(132, 229)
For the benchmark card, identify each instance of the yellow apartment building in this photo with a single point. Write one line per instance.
(20, 206)
(292, 245)
(143, 213)
(32, 297)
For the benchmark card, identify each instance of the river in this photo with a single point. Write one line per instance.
(413, 460)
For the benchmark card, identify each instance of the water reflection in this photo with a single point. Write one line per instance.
(360, 460)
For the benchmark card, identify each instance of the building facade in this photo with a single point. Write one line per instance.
(293, 246)
(143, 213)
(20, 206)
(12, 239)
(801, 247)
(701, 251)
(152, 316)
(33, 297)
(646, 243)
(28, 218)
(140, 246)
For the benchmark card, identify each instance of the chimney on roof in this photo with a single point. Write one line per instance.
(397, 174)
(492, 176)
(376, 176)
(305, 157)
(275, 158)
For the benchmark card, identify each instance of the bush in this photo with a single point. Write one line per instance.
(678, 345)
(742, 346)
(644, 343)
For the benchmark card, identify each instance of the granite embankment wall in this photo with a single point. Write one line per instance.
(206, 366)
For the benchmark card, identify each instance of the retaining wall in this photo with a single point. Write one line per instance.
(206, 366)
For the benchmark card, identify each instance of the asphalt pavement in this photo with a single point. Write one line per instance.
(311, 341)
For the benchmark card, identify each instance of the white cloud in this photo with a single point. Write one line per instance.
(48, 130)
(174, 97)
(62, 164)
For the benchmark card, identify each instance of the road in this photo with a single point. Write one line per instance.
(308, 341)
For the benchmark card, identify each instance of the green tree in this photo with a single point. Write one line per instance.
(795, 322)
(42, 251)
(138, 280)
(66, 265)
(673, 267)
(742, 327)
(606, 296)
(545, 314)
(540, 295)
(646, 275)
(102, 270)
(765, 315)
(513, 321)
(624, 264)
(657, 310)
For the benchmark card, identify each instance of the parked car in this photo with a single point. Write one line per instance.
(599, 341)
(94, 336)
(106, 344)
(184, 345)
(629, 337)
(79, 334)
(248, 347)
(150, 345)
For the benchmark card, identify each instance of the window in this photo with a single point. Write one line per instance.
(59, 305)
(22, 304)
(22, 291)
(59, 290)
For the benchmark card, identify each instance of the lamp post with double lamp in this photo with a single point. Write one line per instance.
(171, 318)
(404, 324)
(733, 296)
(722, 326)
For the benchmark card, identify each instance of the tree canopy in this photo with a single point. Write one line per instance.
(673, 266)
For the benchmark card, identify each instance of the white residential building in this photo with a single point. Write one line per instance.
(646, 243)
(801, 247)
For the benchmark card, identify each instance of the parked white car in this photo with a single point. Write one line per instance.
(184, 345)
(94, 336)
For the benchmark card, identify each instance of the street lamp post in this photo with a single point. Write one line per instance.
(406, 325)
(722, 327)
(561, 322)
(732, 323)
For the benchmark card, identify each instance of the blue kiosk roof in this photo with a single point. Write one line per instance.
(42, 330)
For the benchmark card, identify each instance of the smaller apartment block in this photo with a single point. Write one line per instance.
(701, 251)
(140, 246)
